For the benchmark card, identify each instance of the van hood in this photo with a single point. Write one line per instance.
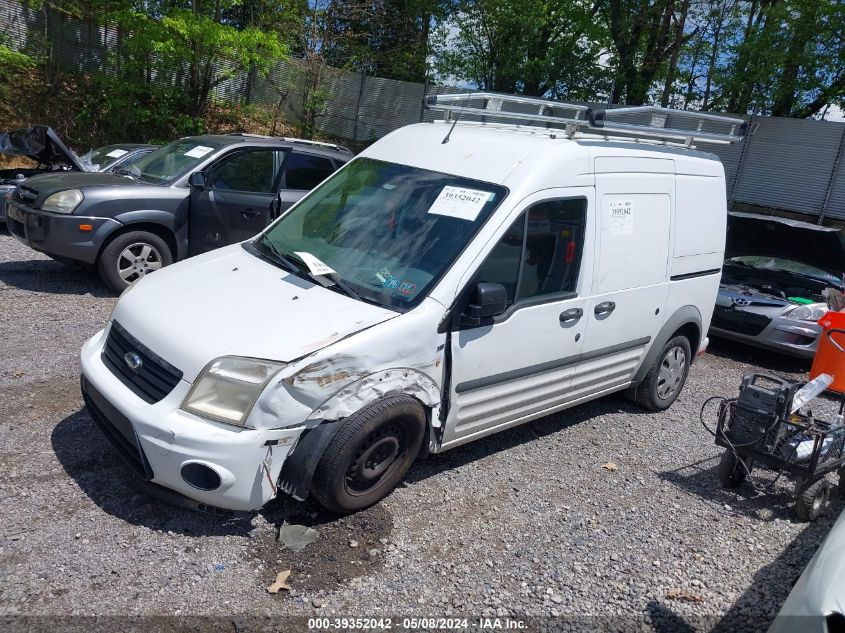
(769, 236)
(231, 303)
(41, 144)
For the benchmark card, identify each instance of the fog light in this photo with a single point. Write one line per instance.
(200, 476)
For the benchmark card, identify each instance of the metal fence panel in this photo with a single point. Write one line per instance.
(835, 207)
(788, 164)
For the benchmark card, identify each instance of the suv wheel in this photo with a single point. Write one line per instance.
(370, 454)
(130, 256)
(666, 377)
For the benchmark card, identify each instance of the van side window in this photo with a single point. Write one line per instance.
(544, 260)
(553, 245)
(502, 264)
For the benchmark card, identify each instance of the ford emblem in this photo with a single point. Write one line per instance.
(133, 360)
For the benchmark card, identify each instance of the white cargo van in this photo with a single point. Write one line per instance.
(454, 280)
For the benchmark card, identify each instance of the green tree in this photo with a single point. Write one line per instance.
(531, 47)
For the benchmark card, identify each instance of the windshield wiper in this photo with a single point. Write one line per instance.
(338, 283)
(271, 251)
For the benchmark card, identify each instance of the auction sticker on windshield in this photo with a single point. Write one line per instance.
(117, 153)
(459, 202)
(316, 266)
(199, 151)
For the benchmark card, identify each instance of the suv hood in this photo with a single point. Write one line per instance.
(231, 303)
(770, 236)
(39, 143)
(40, 187)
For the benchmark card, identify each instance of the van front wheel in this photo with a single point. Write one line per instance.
(370, 454)
(666, 377)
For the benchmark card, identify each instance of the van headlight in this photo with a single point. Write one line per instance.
(63, 201)
(811, 312)
(228, 387)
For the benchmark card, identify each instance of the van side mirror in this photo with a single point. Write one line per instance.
(489, 300)
(197, 180)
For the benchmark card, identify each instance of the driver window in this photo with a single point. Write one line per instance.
(540, 254)
(249, 171)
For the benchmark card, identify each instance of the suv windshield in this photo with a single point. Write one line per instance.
(171, 161)
(784, 265)
(388, 231)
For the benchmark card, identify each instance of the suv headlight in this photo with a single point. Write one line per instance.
(228, 387)
(63, 201)
(810, 312)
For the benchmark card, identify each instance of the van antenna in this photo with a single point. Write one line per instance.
(457, 116)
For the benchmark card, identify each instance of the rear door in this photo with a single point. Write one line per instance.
(235, 204)
(302, 172)
(630, 282)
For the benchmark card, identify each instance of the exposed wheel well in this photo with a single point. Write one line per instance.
(157, 229)
(692, 333)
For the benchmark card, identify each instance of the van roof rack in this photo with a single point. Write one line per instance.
(665, 124)
(290, 139)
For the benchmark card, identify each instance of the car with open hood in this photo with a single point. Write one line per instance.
(774, 278)
(452, 281)
(41, 145)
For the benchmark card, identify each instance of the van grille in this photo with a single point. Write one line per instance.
(152, 379)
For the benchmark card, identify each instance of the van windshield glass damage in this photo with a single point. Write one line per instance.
(388, 232)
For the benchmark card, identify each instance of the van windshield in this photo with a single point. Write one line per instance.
(387, 231)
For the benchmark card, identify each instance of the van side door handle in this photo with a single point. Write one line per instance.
(605, 307)
(573, 314)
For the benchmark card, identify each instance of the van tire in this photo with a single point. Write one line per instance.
(670, 366)
(113, 257)
(391, 429)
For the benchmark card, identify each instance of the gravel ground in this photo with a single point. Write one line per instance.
(525, 523)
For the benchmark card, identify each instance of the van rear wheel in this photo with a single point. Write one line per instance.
(130, 256)
(666, 377)
(370, 454)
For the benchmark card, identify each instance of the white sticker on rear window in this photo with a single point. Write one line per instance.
(459, 202)
(621, 217)
(117, 153)
(316, 266)
(199, 151)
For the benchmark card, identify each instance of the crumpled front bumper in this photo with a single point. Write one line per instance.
(159, 440)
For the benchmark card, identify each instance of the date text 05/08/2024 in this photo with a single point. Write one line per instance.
(412, 624)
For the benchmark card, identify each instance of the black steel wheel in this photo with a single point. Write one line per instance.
(813, 500)
(370, 454)
(733, 470)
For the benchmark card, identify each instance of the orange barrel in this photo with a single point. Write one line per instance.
(830, 353)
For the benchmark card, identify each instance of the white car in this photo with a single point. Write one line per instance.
(816, 603)
(450, 282)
